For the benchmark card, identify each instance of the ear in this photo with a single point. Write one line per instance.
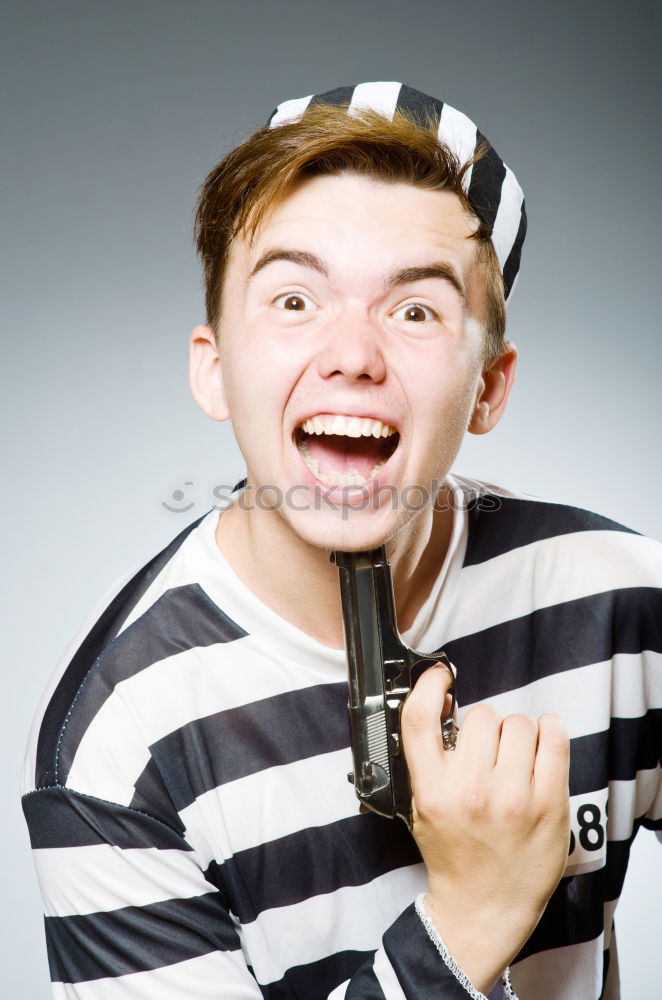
(205, 377)
(493, 391)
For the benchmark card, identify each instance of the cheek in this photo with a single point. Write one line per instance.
(448, 410)
(249, 371)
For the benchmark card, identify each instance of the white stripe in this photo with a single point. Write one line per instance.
(199, 561)
(201, 977)
(273, 803)
(339, 992)
(478, 487)
(100, 878)
(290, 111)
(381, 97)
(631, 798)
(458, 133)
(561, 973)
(112, 774)
(548, 572)
(110, 755)
(585, 868)
(386, 976)
(296, 935)
(508, 217)
(179, 571)
(594, 688)
(165, 696)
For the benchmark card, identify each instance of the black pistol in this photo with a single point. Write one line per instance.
(382, 672)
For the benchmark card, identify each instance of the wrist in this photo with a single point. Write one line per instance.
(480, 941)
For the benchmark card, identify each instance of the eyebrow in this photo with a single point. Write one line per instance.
(302, 257)
(439, 270)
(442, 270)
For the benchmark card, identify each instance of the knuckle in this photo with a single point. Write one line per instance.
(514, 804)
(473, 799)
(427, 808)
(483, 715)
(554, 812)
(521, 725)
(413, 716)
(555, 735)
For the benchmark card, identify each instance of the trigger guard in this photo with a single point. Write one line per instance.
(449, 717)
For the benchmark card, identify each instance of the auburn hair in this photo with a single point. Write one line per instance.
(254, 177)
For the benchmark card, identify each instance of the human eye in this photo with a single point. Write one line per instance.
(415, 312)
(294, 302)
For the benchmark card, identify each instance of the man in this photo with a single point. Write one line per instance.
(194, 832)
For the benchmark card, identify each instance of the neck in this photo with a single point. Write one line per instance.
(298, 581)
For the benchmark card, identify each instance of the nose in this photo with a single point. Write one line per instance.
(352, 349)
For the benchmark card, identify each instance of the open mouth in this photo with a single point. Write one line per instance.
(345, 451)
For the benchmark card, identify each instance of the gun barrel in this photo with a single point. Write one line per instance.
(382, 669)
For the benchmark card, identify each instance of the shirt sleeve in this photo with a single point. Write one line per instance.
(413, 963)
(128, 912)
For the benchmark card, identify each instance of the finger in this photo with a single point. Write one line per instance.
(427, 703)
(550, 774)
(517, 748)
(478, 738)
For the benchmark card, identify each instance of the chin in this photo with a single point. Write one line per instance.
(345, 530)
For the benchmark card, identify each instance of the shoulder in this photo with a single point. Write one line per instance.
(93, 716)
(509, 526)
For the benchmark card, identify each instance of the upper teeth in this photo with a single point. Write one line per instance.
(348, 426)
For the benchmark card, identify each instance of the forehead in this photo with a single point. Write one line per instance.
(351, 219)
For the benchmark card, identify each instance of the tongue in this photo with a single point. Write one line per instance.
(336, 453)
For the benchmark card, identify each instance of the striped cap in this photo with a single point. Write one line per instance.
(491, 187)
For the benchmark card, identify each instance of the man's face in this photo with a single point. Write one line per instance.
(350, 347)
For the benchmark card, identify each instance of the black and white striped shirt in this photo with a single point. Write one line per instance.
(185, 785)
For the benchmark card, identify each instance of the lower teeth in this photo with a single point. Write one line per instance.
(333, 478)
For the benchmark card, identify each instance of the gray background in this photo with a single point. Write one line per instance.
(113, 113)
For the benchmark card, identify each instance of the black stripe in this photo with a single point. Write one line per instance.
(318, 979)
(137, 939)
(337, 97)
(97, 638)
(511, 266)
(635, 745)
(628, 746)
(152, 796)
(419, 107)
(183, 618)
(287, 870)
(500, 524)
(418, 966)
(365, 985)
(356, 851)
(574, 914)
(241, 741)
(59, 817)
(555, 639)
(486, 182)
(618, 856)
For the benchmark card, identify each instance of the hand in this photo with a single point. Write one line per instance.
(491, 821)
